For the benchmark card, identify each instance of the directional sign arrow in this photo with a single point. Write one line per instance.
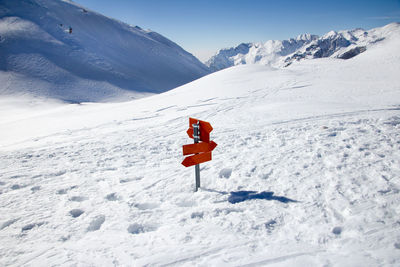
(205, 129)
(196, 159)
(198, 148)
(190, 132)
(206, 126)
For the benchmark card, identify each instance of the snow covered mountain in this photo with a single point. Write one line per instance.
(342, 44)
(306, 171)
(262, 53)
(60, 50)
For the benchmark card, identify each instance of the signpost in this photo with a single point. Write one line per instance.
(202, 147)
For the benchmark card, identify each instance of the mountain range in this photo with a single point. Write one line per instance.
(342, 44)
(61, 50)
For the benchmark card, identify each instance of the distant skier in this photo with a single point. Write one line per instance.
(70, 30)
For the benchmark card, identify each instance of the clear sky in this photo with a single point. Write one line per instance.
(202, 27)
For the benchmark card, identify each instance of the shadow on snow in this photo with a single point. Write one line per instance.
(240, 196)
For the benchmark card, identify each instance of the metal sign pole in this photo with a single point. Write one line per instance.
(196, 137)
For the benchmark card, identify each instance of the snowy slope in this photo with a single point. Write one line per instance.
(101, 59)
(306, 172)
(342, 44)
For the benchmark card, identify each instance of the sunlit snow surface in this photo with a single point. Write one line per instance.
(317, 144)
(101, 59)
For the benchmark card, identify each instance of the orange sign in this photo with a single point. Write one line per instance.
(205, 131)
(196, 159)
(198, 148)
(203, 148)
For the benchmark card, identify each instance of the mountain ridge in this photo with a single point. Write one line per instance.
(343, 44)
(61, 50)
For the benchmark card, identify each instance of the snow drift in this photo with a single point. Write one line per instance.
(60, 50)
(342, 44)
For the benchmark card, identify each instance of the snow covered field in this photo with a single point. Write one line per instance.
(306, 172)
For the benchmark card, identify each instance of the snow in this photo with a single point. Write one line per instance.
(101, 60)
(306, 171)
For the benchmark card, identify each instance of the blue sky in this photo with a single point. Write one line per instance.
(204, 26)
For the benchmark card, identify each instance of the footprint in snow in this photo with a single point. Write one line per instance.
(147, 206)
(65, 190)
(270, 225)
(75, 213)
(225, 173)
(186, 204)
(136, 228)
(337, 230)
(112, 197)
(7, 223)
(77, 198)
(35, 188)
(31, 226)
(332, 134)
(197, 215)
(96, 223)
(65, 238)
(62, 191)
(16, 187)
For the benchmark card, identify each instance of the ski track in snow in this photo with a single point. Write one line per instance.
(299, 177)
(122, 187)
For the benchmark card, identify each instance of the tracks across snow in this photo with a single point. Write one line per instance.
(330, 143)
(342, 170)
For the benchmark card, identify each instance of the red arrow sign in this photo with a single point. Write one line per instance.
(190, 132)
(205, 129)
(196, 159)
(198, 148)
(204, 125)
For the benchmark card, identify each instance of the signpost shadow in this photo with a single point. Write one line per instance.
(240, 196)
